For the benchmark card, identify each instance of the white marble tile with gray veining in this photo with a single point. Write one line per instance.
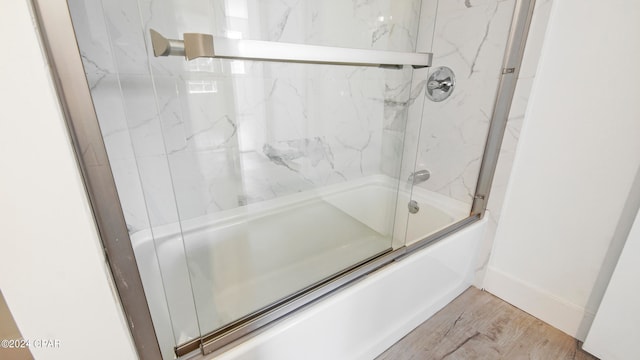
(470, 39)
(303, 125)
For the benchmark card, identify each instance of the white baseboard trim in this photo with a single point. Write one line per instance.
(557, 312)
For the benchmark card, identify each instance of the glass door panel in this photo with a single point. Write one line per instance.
(245, 182)
(284, 174)
(446, 139)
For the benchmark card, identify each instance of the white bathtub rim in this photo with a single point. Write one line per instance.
(452, 207)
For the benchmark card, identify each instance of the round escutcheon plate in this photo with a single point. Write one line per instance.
(440, 84)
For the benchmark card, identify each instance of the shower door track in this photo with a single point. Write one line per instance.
(59, 44)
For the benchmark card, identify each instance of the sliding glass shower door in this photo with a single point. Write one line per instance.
(284, 174)
(252, 178)
(246, 183)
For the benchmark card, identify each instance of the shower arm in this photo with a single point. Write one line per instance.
(197, 45)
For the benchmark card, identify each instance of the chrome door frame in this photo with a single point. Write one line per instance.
(67, 72)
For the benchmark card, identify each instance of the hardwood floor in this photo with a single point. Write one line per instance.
(478, 325)
(9, 331)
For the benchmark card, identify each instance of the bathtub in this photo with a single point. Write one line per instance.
(240, 259)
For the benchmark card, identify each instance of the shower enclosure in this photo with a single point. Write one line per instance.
(288, 148)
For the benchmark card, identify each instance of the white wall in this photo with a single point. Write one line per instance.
(52, 271)
(575, 165)
(615, 331)
(522, 93)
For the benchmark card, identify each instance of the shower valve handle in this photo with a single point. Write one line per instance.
(443, 85)
(440, 84)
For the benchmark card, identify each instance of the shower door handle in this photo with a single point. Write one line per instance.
(197, 45)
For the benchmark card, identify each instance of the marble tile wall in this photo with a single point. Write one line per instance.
(228, 133)
(470, 38)
(193, 138)
(296, 127)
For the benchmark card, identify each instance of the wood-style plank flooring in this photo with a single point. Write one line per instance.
(478, 325)
(9, 331)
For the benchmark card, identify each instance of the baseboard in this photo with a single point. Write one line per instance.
(557, 312)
